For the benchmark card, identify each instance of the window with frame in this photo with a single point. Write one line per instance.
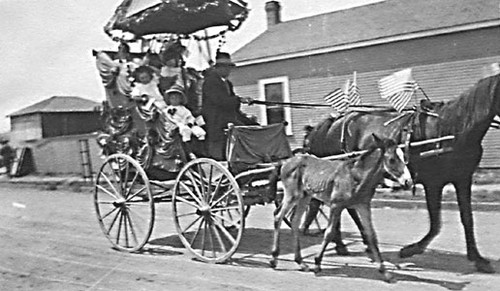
(275, 90)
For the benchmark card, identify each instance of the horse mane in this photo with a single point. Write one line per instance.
(470, 108)
(385, 143)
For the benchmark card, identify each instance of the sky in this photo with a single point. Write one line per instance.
(46, 45)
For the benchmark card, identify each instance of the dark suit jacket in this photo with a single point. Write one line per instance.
(220, 106)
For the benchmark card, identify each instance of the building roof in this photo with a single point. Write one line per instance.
(374, 22)
(59, 104)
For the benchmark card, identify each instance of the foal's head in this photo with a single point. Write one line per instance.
(393, 160)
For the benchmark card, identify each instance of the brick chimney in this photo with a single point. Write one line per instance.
(273, 13)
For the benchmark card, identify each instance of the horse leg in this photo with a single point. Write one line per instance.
(340, 247)
(279, 214)
(355, 217)
(433, 196)
(299, 211)
(311, 214)
(463, 192)
(366, 220)
(330, 232)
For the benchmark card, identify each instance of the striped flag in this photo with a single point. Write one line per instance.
(353, 92)
(337, 99)
(398, 88)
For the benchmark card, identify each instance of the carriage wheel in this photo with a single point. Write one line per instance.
(208, 210)
(124, 203)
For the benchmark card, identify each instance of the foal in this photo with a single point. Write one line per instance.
(339, 184)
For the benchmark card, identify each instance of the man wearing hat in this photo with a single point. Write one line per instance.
(220, 105)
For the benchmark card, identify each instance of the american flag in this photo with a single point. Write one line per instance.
(337, 99)
(353, 92)
(398, 88)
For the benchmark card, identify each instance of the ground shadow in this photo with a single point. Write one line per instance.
(371, 273)
(255, 247)
(437, 260)
(259, 241)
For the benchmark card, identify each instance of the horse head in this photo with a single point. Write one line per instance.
(393, 160)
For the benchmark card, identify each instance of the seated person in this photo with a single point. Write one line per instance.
(146, 87)
(178, 114)
(171, 66)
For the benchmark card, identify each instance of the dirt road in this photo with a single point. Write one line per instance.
(50, 240)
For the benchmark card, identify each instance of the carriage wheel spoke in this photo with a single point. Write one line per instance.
(132, 229)
(187, 214)
(136, 193)
(125, 228)
(217, 188)
(119, 228)
(104, 175)
(226, 233)
(196, 233)
(222, 197)
(218, 237)
(203, 237)
(182, 199)
(191, 224)
(227, 208)
(211, 239)
(125, 179)
(203, 190)
(106, 191)
(114, 172)
(230, 219)
(109, 213)
(209, 184)
(196, 185)
(113, 221)
(131, 184)
(190, 192)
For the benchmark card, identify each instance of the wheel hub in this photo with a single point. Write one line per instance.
(119, 202)
(204, 211)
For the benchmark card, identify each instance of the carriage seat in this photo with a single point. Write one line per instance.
(248, 146)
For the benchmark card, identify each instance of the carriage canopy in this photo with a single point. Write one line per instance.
(146, 17)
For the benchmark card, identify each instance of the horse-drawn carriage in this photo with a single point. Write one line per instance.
(210, 199)
(145, 165)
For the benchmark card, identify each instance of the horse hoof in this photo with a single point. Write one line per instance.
(342, 251)
(389, 278)
(273, 263)
(317, 269)
(409, 251)
(304, 267)
(484, 266)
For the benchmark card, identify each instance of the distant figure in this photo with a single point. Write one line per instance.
(7, 155)
(220, 105)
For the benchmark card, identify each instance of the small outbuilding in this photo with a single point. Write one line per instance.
(52, 117)
(59, 132)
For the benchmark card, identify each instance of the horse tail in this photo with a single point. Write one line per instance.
(273, 180)
(294, 170)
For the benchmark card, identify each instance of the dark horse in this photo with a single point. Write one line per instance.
(340, 184)
(467, 118)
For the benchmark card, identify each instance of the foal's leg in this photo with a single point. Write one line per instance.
(288, 203)
(330, 232)
(299, 211)
(366, 220)
(311, 214)
(340, 246)
(433, 196)
(463, 191)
